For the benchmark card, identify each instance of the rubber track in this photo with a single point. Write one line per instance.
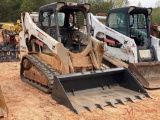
(45, 68)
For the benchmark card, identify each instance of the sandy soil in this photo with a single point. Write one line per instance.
(28, 103)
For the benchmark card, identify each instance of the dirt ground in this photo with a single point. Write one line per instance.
(28, 103)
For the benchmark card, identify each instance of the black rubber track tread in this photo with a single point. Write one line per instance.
(45, 68)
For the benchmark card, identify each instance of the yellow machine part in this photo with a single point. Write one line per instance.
(9, 27)
(3, 106)
(13, 27)
(17, 28)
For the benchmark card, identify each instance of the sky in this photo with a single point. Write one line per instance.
(145, 3)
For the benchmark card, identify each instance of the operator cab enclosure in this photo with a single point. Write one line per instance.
(132, 22)
(65, 23)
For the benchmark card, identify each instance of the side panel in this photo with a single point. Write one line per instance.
(128, 50)
(118, 53)
(156, 43)
(30, 29)
(23, 46)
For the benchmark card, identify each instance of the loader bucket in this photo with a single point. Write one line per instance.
(147, 73)
(96, 89)
(3, 107)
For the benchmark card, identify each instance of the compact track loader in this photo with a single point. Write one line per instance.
(58, 58)
(9, 49)
(3, 107)
(127, 37)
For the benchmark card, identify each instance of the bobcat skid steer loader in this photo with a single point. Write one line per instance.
(58, 58)
(127, 37)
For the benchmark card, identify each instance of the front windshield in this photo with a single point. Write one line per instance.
(117, 21)
(71, 29)
(49, 20)
(138, 24)
(60, 19)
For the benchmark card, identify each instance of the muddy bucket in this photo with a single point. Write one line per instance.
(96, 89)
(147, 73)
(3, 107)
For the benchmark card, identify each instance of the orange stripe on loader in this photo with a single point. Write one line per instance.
(109, 41)
(39, 43)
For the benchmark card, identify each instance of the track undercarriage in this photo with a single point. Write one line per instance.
(37, 73)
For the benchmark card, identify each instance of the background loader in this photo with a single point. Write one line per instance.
(58, 58)
(127, 37)
(9, 47)
(12, 27)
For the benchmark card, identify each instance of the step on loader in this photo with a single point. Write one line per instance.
(57, 57)
(127, 37)
(3, 106)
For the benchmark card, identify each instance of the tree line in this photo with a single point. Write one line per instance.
(10, 10)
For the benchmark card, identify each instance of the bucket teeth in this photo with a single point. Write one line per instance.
(112, 104)
(100, 106)
(122, 101)
(88, 108)
(148, 95)
(131, 99)
(77, 111)
(141, 97)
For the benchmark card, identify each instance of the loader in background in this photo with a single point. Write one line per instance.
(127, 37)
(3, 106)
(8, 28)
(58, 58)
(9, 46)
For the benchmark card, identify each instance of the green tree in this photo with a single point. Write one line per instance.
(8, 8)
(16, 10)
(100, 6)
(155, 16)
(32, 5)
(76, 1)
